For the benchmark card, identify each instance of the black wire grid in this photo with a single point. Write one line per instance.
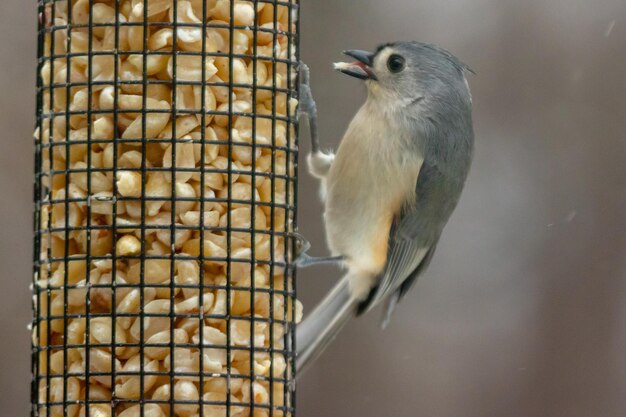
(75, 239)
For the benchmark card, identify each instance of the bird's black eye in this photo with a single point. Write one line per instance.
(396, 63)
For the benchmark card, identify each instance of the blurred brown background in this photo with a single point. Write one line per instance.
(523, 310)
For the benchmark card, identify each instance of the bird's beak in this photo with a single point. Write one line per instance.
(361, 68)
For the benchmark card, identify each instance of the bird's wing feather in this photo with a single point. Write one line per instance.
(404, 257)
(394, 299)
(410, 281)
(406, 250)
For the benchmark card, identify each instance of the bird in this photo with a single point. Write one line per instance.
(392, 184)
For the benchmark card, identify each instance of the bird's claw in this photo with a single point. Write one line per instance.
(306, 104)
(304, 260)
(302, 244)
(305, 74)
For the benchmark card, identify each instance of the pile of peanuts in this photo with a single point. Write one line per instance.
(114, 184)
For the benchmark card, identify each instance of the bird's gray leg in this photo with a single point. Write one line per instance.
(303, 260)
(307, 107)
(319, 162)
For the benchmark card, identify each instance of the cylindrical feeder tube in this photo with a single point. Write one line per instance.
(165, 194)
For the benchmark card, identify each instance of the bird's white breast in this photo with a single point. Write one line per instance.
(371, 178)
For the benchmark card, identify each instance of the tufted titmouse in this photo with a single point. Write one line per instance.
(393, 183)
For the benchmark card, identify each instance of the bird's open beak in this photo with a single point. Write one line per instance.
(361, 68)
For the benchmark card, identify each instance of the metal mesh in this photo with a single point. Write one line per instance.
(165, 194)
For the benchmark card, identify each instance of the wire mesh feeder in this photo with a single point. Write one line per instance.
(165, 196)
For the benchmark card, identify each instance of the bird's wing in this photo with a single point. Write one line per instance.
(410, 248)
(394, 299)
(404, 258)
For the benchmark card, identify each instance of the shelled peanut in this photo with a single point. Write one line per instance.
(115, 185)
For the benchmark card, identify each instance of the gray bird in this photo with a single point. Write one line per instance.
(393, 183)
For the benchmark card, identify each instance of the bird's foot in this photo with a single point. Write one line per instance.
(306, 105)
(303, 260)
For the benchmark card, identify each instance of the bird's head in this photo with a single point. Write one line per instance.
(408, 72)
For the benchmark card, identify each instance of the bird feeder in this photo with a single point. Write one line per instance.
(165, 196)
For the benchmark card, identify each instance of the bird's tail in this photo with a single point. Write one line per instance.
(319, 329)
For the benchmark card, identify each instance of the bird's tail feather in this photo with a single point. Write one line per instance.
(319, 329)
